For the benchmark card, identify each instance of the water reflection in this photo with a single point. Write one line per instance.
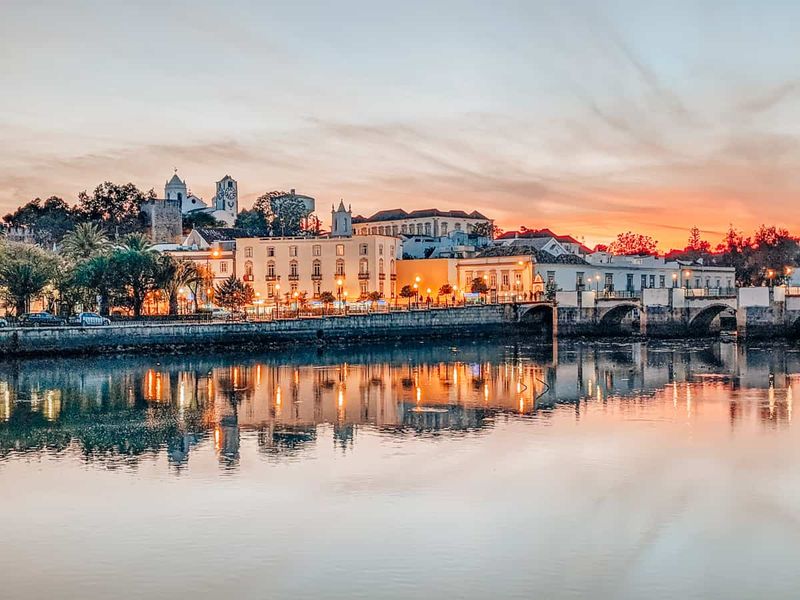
(117, 409)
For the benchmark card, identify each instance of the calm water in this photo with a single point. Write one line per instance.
(605, 470)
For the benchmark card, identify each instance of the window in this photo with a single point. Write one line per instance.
(428, 230)
(339, 249)
(458, 226)
(718, 282)
(469, 277)
(380, 288)
(317, 287)
(380, 249)
(293, 268)
(363, 266)
(270, 290)
(363, 249)
(652, 281)
(505, 279)
(317, 250)
(292, 250)
(223, 267)
(629, 282)
(380, 268)
(339, 267)
(551, 277)
(644, 281)
(419, 228)
(230, 184)
(394, 230)
(404, 228)
(363, 287)
(662, 281)
(579, 280)
(293, 287)
(270, 269)
(609, 281)
(444, 228)
(270, 251)
(248, 252)
(391, 267)
(317, 269)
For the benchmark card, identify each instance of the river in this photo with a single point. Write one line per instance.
(588, 469)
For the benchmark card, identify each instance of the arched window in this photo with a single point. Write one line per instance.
(380, 266)
(248, 268)
(271, 268)
(293, 268)
(391, 266)
(317, 268)
(363, 266)
(339, 266)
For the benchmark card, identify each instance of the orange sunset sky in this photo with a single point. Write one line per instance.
(587, 118)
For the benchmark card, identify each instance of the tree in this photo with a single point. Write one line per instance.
(374, 297)
(48, 221)
(85, 241)
(408, 292)
(25, 271)
(446, 290)
(327, 298)
(171, 276)
(133, 269)
(234, 294)
(197, 219)
(696, 242)
(96, 277)
(632, 244)
(280, 213)
(487, 229)
(116, 207)
(478, 286)
(252, 220)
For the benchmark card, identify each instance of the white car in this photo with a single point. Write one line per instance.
(87, 319)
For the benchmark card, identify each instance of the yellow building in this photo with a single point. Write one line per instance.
(507, 277)
(349, 267)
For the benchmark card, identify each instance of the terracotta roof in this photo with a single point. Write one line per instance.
(540, 256)
(393, 214)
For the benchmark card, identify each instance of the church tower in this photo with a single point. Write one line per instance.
(341, 221)
(175, 189)
(226, 200)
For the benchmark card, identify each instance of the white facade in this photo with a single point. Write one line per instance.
(226, 201)
(430, 222)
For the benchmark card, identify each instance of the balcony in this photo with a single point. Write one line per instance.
(248, 277)
(316, 277)
(363, 275)
(382, 276)
(393, 276)
(293, 277)
(271, 278)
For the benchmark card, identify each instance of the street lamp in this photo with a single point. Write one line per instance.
(428, 298)
(277, 300)
(339, 283)
(295, 295)
(686, 275)
(770, 276)
(416, 293)
(674, 279)
(345, 303)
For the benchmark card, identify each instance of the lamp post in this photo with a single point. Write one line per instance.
(295, 295)
(686, 275)
(339, 283)
(674, 279)
(417, 279)
(770, 277)
(277, 300)
(428, 297)
(258, 302)
(345, 303)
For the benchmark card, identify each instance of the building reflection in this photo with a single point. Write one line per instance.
(118, 408)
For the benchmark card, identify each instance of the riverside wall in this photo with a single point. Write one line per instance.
(452, 322)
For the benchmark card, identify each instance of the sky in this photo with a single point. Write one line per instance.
(589, 118)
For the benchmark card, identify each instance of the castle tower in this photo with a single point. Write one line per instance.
(226, 200)
(341, 221)
(175, 189)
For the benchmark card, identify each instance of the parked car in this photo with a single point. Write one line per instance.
(40, 319)
(88, 319)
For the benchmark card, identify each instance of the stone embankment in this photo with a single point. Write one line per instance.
(455, 322)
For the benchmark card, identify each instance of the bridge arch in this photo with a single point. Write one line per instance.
(614, 321)
(538, 318)
(700, 324)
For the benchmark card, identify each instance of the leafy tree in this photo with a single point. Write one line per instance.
(253, 220)
(197, 219)
(479, 286)
(631, 244)
(696, 242)
(95, 275)
(374, 297)
(327, 298)
(85, 241)
(233, 294)
(202, 280)
(408, 292)
(488, 229)
(25, 271)
(116, 207)
(445, 290)
(48, 221)
(280, 213)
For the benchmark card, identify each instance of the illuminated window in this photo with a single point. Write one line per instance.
(339, 249)
(340, 267)
(317, 250)
(317, 268)
(292, 250)
(363, 249)
(223, 267)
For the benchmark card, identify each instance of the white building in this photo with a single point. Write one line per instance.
(431, 222)
(225, 206)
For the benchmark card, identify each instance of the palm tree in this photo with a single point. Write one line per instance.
(171, 276)
(138, 242)
(85, 241)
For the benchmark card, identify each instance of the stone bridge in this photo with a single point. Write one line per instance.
(668, 312)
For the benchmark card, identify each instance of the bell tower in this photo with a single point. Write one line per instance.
(226, 200)
(175, 189)
(341, 221)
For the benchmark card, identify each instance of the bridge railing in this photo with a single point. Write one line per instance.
(619, 295)
(720, 292)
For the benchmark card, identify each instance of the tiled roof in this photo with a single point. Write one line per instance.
(540, 256)
(224, 234)
(394, 214)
